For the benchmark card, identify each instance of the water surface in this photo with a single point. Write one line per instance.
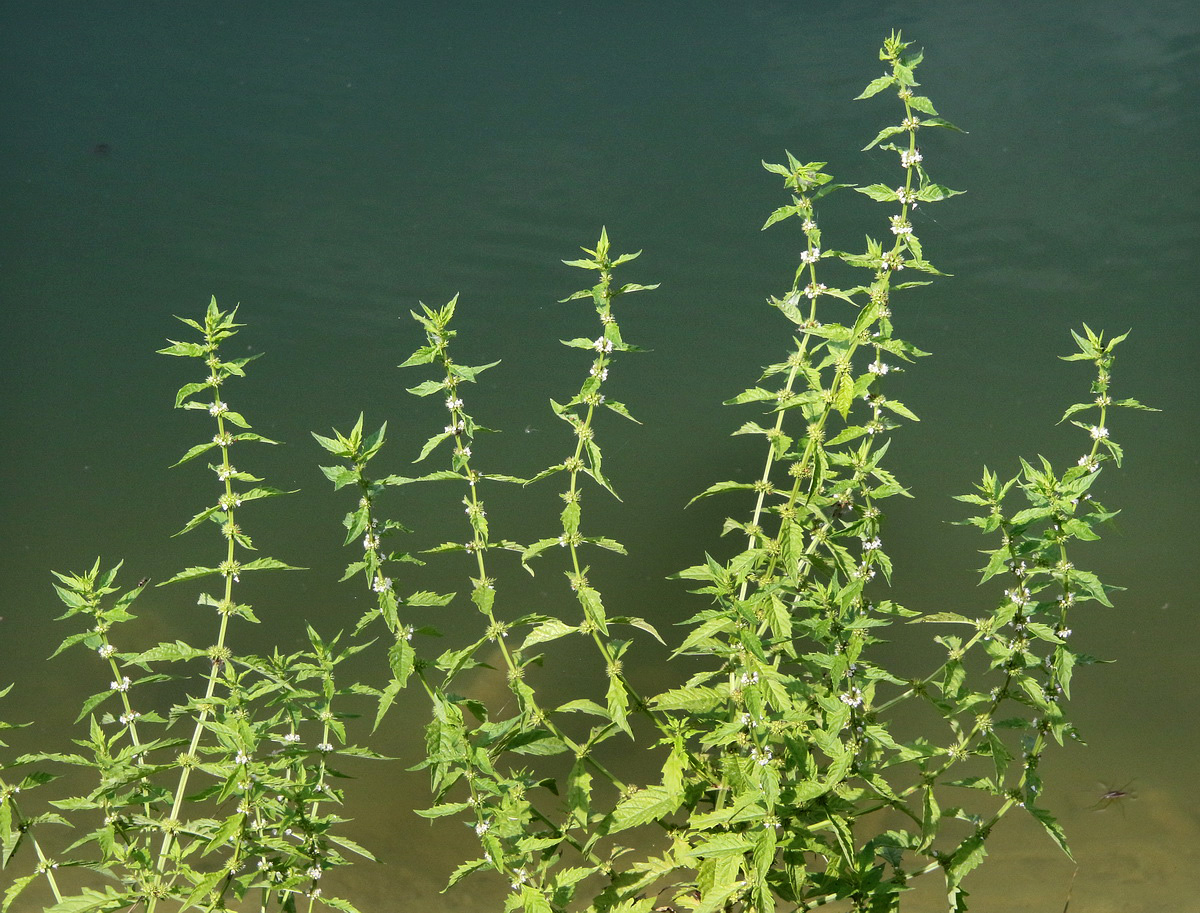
(330, 165)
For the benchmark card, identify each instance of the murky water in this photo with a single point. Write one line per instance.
(330, 165)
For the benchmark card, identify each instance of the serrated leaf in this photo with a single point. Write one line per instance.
(875, 86)
(1052, 827)
(644, 806)
(546, 632)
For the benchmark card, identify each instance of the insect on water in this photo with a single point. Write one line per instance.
(1111, 797)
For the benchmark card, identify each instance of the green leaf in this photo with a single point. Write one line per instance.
(593, 608)
(697, 699)
(402, 660)
(880, 192)
(943, 618)
(875, 86)
(546, 632)
(468, 373)
(722, 845)
(650, 804)
(720, 487)
(269, 564)
(1052, 827)
(968, 856)
(191, 573)
(883, 134)
(13, 891)
(618, 704)
(93, 702)
(440, 811)
(428, 388)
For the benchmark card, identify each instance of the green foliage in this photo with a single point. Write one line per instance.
(779, 762)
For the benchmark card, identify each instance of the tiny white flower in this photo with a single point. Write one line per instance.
(908, 159)
(292, 737)
(217, 408)
(325, 747)
(106, 651)
(241, 758)
(482, 828)
(813, 289)
(811, 256)
(315, 872)
(871, 544)
(1099, 432)
(122, 685)
(878, 367)
(454, 403)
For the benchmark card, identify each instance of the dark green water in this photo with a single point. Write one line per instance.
(328, 165)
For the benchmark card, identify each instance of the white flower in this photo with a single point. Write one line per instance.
(908, 159)
(292, 737)
(1099, 432)
(603, 344)
(905, 196)
(370, 541)
(901, 226)
(808, 225)
(315, 872)
(241, 758)
(813, 289)
(871, 544)
(482, 828)
(325, 747)
(454, 403)
(601, 373)
(127, 718)
(225, 472)
(106, 651)
(122, 685)
(382, 584)
(811, 256)
(217, 408)
(762, 757)
(878, 367)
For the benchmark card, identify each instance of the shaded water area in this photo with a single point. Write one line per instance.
(329, 165)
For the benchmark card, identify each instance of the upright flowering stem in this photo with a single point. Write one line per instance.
(218, 326)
